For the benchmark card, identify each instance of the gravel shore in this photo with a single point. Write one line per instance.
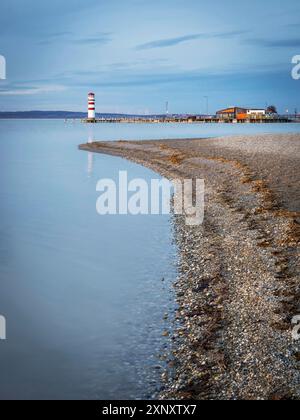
(238, 286)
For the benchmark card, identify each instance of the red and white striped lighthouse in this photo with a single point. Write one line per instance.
(91, 106)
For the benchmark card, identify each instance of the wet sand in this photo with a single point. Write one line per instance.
(238, 286)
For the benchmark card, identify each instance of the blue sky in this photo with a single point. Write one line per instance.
(136, 54)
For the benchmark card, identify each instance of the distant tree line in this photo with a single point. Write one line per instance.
(272, 110)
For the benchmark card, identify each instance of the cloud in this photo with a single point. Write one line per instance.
(50, 38)
(102, 38)
(16, 18)
(19, 90)
(275, 43)
(293, 25)
(57, 34)
(183, 77)
(124, 75)
(171, 42)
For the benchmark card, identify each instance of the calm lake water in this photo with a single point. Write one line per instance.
(82, 294)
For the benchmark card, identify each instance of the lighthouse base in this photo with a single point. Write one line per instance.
(90, 120)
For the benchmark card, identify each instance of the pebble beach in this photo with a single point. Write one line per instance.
(238, 286)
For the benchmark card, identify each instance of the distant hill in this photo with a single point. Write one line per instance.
(55, 115)
(41, 114)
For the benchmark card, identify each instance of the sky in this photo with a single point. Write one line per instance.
(137, 54)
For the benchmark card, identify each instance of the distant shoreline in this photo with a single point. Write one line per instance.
(239, 273)
(57, 115)
(143, 119)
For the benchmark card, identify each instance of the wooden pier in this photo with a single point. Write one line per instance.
(191, 120)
